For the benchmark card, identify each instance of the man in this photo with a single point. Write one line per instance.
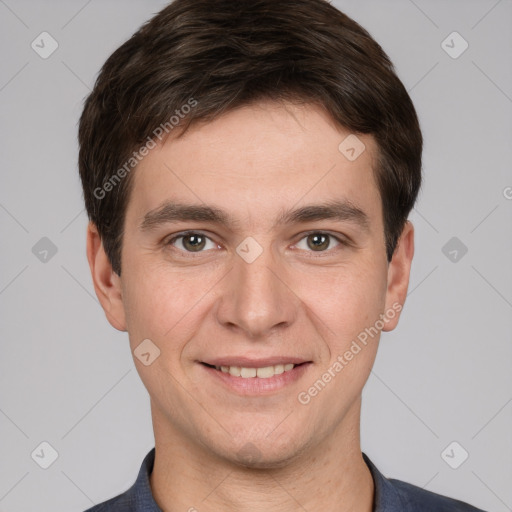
(248, 169)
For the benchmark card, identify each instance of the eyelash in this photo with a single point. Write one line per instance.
(342, 242)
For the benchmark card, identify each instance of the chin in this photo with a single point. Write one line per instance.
(265, 453)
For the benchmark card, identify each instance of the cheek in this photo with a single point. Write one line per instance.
(161, 306)
(150, 302)
(348, 311)
(347, 301)
(164, 304)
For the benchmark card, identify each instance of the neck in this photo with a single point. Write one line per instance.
(330, 476)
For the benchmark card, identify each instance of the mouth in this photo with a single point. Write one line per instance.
(262, 372)
(251, 378)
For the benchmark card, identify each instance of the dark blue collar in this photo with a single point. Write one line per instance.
(389, 495)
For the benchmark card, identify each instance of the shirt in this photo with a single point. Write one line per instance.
(390, 495)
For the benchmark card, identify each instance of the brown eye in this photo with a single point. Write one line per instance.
(319, 242)
(193, 242)
(190, 242)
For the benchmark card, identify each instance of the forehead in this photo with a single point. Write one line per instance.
(258, 161)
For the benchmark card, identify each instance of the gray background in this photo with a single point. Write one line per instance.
(67, 377)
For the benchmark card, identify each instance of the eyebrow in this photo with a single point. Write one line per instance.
(171, 211)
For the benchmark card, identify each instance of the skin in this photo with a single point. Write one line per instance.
(255, 162)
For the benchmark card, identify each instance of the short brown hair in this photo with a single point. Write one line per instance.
(217, 55)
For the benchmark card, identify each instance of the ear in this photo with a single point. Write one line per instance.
(399, 269)
(107, 283)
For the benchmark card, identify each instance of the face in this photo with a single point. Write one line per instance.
(259, 297)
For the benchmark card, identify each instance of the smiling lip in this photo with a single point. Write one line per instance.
(255, 386)
(247, 362)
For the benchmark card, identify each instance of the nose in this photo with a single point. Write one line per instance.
(256, 298)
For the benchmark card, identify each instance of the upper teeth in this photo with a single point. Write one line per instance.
(263, 373)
